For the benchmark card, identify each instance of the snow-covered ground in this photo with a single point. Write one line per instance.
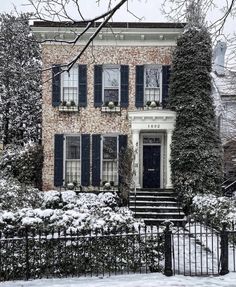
(134, 280)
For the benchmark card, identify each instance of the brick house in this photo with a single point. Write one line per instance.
(115, 96)
(224, 93)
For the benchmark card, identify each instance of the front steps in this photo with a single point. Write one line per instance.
(155, 206)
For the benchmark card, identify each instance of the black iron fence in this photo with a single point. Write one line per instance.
(36, 253)
(193, 249)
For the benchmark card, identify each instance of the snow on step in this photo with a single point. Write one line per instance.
(158, 213)
(155, 207)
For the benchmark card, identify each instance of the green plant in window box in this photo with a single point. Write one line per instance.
(72, 103)
(148, 103)
(63, 103)
(111, 105)
(68, 104)
(112, 183)
(107, 185)
(75, 182)
(70, 185)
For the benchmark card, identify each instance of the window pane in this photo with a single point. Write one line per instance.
(110, 148)
(73, 148)
(152, 77)
(70, 94)
(110, 171)
(152, 94)
(111, 95)
(111, 77)
(70, 85)
(72, 171)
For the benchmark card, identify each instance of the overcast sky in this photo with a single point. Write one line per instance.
(148, 10)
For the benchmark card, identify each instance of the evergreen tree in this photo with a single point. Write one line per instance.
(196, 155)
(20, 79)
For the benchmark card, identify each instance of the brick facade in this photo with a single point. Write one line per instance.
(90, 120)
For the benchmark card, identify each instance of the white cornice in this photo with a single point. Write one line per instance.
(117, 36)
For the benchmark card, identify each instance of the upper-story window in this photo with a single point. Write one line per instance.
(111, 87)
(69, 89)
(69, 85)
(152, 83)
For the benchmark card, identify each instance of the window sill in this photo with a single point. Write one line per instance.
(68, 109)
(109, 110)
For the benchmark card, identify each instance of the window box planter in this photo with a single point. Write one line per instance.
(153, 105)
(68, 108)
(109, 110)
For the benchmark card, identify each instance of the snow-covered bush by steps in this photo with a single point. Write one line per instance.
(14, 196)
(215, 210)
(23, 163)
(82, 212)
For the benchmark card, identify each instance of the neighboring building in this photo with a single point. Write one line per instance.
(116, 94)
(224, 92)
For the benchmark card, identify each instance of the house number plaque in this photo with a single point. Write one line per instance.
(153, 126)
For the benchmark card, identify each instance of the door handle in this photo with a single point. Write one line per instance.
(151, 169)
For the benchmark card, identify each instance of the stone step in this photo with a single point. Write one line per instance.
(171, 209)
(156, 215)
(152, 198)
(132, 203)
(153, 193)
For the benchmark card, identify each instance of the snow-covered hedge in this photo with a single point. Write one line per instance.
(216, 210)
(75, 234)
(14, 195)
(24, 163)
(82, 212)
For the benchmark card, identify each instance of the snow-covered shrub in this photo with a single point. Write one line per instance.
(23, 163)
(92, 224)
(65, 209)
(196, 151)
(14, 196)
(215, 210)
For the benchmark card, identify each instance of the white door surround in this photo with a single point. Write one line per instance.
(152, 122)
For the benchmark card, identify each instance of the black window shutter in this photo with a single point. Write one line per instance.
(82, 85)
(139, 86)
(124, 93)
(96, 160)
(165, 84)
(58, 159)
(122, 147)
(85, 165)
(56, 85)
(98, 85)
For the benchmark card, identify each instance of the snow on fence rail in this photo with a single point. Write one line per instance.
(193, 249)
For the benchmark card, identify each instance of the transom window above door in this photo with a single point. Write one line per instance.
(111, 87)
(152, 83)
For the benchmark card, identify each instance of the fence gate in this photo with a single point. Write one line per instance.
(199, 250)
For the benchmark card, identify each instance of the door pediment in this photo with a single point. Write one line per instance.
(152, 120)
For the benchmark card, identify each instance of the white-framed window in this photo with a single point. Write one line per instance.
(152, 83)
(69, 86)
(111, 85)
(72, 162)
(110, 159)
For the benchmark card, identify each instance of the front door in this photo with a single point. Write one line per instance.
(151, 166)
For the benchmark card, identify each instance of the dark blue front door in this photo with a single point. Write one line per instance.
(151, 166)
